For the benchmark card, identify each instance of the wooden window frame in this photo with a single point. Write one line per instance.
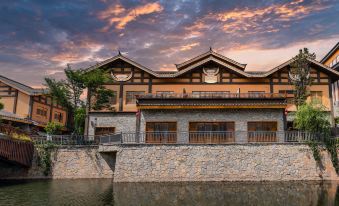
(127, 101)
(211, 137)
(315, 99)
(155, 137)
(95, 130)
(211, 93)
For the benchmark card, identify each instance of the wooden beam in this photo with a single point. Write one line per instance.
(15, 101)
(277, 106)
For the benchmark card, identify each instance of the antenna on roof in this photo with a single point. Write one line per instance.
(119, 53)
(210, 48)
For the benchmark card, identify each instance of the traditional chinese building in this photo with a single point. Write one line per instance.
(210, 94)
(331, 59)
(27, 107)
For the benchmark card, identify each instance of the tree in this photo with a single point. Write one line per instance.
(68, 93)
(312, 118)
(53, 128)
(1, 106)
(300, 75)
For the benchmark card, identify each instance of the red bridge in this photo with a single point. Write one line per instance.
(17, 152)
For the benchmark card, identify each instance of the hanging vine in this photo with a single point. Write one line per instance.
(44, 157)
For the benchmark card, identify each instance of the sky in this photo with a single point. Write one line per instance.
(39, 38)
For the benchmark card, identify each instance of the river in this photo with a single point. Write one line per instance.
(104, 192)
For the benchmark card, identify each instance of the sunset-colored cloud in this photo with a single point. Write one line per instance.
(118, 15)
(189, 46)
(245, 21)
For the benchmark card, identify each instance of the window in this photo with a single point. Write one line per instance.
(256, 93)
(58, 116)
(41, 111)
(289, 95)
(211, 132)
(113, 99)
(262, 131)
(262, 126)
(316, 97)
(104, 130)
(161, 132)
(131, 97)
(202, 94)
(165, 93)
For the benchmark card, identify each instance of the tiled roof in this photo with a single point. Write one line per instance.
(210, 56)
(22, 87)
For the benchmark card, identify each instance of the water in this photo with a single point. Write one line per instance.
(104, 192)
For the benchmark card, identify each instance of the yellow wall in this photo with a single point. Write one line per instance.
(8, 103)
(39, 118)
(334, 55)
(22, 108)
(64, 113)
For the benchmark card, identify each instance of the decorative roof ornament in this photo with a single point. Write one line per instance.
(121, 77)
(211, 75)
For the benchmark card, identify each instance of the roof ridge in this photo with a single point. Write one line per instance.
(22, 87)
(329, 53)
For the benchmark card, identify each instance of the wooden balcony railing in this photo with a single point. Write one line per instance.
(212, 96)
(218, 137)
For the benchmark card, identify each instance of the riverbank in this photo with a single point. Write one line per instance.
(173, 163)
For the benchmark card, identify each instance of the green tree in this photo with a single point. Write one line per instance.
(53, 128)
(300, 75)
(312, 118)
(68, 94)
(79, 120)
(1, 106)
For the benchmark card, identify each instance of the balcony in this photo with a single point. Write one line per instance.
(211, 101)
(222, 137)
(212, 95)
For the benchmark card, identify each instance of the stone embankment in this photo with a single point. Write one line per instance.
(157, 163)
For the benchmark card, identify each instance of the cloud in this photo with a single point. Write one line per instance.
(117, 14)
(247, 21)
(189, 46)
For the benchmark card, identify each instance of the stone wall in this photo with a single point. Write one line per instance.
(240, 117)
(158, 163)
(67, 162)
(251, 162)
(123, 122)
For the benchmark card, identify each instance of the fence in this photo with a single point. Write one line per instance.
(18, 152)
(211, 137)
(66, 139)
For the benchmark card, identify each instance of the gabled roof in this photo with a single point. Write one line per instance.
(206, 57)
(210, 53)
(22, 87)
(120, 56)
(324, 67)
(329, 54)
(216, 60)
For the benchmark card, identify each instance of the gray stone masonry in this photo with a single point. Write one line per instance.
(240, 117)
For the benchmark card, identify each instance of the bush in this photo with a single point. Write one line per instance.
(21, 137)
(54, 128)
(312, 118)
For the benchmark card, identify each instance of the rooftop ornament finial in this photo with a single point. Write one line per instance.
(119, 53)
(211, 49)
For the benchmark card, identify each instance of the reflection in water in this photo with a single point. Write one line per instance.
(104, 192)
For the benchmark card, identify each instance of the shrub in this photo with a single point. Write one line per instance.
(54, 128)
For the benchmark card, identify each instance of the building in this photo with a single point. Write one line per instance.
(331, 59)
(27, 107)
(210, 94)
